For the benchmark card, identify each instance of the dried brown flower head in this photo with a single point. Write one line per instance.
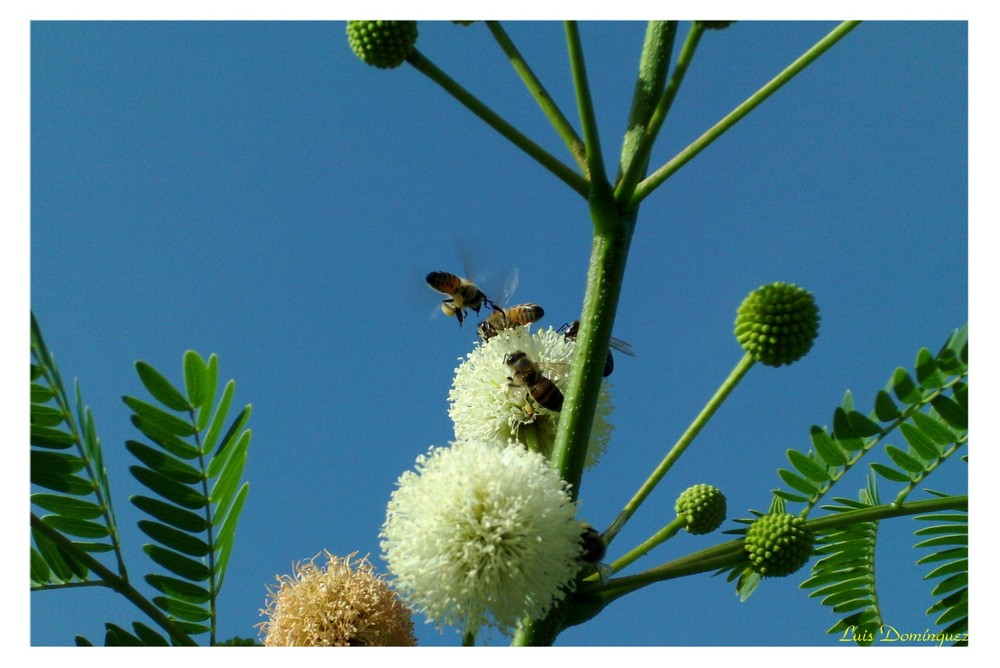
(341, 605)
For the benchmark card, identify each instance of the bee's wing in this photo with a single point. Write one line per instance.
(555, 369)
(510, 287)
(622, 346)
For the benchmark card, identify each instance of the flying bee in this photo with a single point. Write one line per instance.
(462, 294)
(508, 318)
(526, 373)
(570, 330)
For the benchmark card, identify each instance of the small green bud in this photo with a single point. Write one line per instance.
(463, 23)
(383, 44)
(703, 507)
(778, 545)
(777, 323)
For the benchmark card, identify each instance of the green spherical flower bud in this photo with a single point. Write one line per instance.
(716, 25)
(777, 323)
(703, 508)
(778, 545)
(383, 44)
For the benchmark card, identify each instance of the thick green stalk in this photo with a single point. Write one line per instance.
(604, 279)
(653, 66)
(609, 251)
(655, 179)
(681, 445)
(637, 167)
(494, 120)
(542, 97)
(612, 236)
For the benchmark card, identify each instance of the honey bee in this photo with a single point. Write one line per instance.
(570, 330)
(594, 547)
(526, 373)
(462, 294)
(508, 318)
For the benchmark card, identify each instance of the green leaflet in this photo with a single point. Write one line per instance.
(47, 437)
(72, 526)
(179, 589)
(161, 388)
(885, 408)
(159, 419)
(951, 411)
(951, 532)
(933, 429)
(177, 564)
(227, 531)
(197, 381)
(40, 573)
(180, 541)
(904, 388)
(46, 416)
(182, 609)
(165, 439)
(219, 417)
(923, 446)
(889, 473)
(808, 466)
(168, 488)
(904, 460)
(164, 464)
(170, 514)
(826, 447)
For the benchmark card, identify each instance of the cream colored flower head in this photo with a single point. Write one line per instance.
(341, 605)
(481, 535)
(488, 402)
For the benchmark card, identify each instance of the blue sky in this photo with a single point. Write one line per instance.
(254, 190)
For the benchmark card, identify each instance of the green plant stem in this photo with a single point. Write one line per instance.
(515, 136)
(612, 236)
(114, 582)
(681, 445)
(647, 545)
(731, 554)
(584, 103)
(542, 97)
(655, 179)
(653, 66)
(213, 584)
(636, 168)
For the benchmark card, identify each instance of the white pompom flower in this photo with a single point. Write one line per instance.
(481, 535)
(487, 404)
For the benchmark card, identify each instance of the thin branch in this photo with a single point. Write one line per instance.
(551, 110)
(654, 180)
(681, 445)
(515, 136)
